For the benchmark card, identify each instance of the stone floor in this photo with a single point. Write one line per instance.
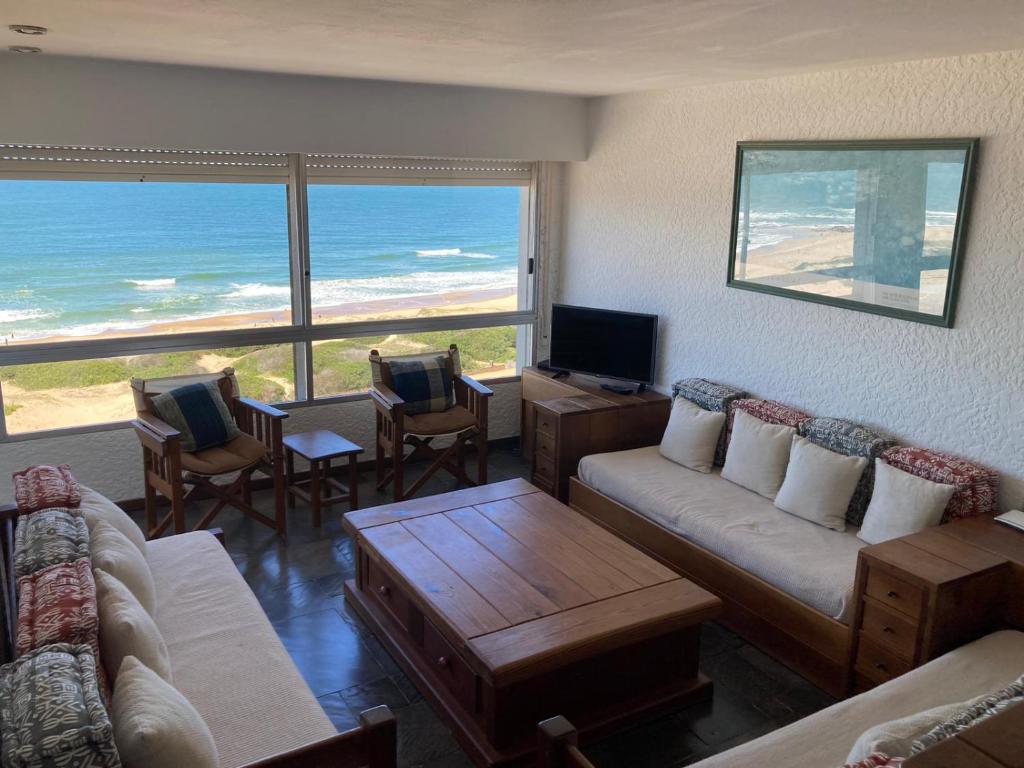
(299, 585)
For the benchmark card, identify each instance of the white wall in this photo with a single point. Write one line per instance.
(64, 100)
(647, 223)
(111, 461)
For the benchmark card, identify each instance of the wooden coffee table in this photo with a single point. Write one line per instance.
(506, 607)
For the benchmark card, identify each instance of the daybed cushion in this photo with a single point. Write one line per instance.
(711, 396)
(49, 537)
(225, 656)
(813, 564)
(45, 486)
(977, 487)
(824, 738)
(96, 507)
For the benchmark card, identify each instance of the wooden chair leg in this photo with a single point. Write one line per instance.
(353, 482)
(178, 505)
(280, 517)
(314, 491)
(289, 474)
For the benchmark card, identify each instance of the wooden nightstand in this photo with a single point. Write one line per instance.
(919, 597)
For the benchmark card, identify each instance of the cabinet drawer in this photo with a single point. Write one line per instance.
(877, 663)
(889, 629)
(449, 666)
(544, 468)
(544, 445)
(383, 590)
(546, 422)
(894, 592)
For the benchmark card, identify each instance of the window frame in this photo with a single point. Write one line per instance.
(302, 332)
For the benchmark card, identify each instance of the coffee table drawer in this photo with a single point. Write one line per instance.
(384, 591)
(449, 667)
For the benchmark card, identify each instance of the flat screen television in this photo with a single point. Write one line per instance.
(603, 342)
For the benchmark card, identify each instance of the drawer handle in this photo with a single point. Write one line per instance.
(881, 667)
(444, 662)
(889, 630)
(384, 590)
(892, 593)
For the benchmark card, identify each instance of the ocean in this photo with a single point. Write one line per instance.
(79, 258)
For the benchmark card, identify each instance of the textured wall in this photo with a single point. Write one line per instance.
(111, 462)
(647, 228)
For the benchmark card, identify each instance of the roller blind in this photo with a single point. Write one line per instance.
(44, 161)
(370, 168)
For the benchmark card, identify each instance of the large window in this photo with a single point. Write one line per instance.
(289, 268)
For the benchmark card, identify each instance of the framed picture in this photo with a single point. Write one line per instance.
(876, 226)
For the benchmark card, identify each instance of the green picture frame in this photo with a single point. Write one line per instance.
(874, 226)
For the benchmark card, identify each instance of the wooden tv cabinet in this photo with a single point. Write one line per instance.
(565, 419)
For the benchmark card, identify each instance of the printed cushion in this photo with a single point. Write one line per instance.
(45, 486)
(977, 488)
(768, 411)
(710, 396)
(978, 710)
(51, 713)
(199, 412)
(49, 537)
(426, 385)
(876, 760)
(850, 439)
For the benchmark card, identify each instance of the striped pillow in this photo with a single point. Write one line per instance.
(426, 385)
(199, 412)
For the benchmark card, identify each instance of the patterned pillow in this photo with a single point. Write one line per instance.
(977, 488)
(51, 713)
(49, 537)
(199, 412)
(981, 709)
(426, 385)
(710, 396)
(768, 411)
(45, 486)
(851, 439)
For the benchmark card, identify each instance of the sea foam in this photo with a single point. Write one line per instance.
(156, 284)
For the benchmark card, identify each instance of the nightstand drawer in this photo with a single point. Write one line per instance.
(889, 629)
(544, 445)
(877, 663)
(894, 592)
(546, 422)
(544, 468)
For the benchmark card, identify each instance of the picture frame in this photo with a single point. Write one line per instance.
(876, 226)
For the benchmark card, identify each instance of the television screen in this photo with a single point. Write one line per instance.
(601, 342)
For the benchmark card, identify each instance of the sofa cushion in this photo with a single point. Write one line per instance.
(45, 486)
(49, 537)
(113, 553)
(225, 656)
(691, 435)
(711, 396)
(96, 507)
(127, 629)
(851, 439)
(51, 713)
(155, 726)
(824, 738)
(819, 484)
(199, 413)
(758, 454)
(902, 504)
(813, 564)
(977, 488)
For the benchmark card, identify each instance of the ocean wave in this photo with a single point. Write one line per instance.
(345, 291)
(155, 284)
(16, 315)
(256, 291)
(140, 310)
(440, 252)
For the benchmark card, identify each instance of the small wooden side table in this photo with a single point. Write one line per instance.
(318, 448)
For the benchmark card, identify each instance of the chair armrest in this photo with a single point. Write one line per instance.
(266, 410)
(156, 430)
(475, 385)
(8, 511)
(386, 398)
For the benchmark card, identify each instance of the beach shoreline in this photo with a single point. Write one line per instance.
(477, 301)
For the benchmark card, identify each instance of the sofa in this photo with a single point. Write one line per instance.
(786, 583)
(226, 658)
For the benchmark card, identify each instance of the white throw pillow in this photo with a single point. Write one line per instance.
(154, 725)
(126, 629)
(114, 553)
(896, 737)
(819, 484)
(758, 454)
(96, 507)
(902, 504)
(692, 435)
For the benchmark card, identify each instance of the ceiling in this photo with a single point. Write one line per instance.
(566, 46)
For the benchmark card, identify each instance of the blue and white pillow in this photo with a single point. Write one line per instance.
(199, 412)
(426, 384)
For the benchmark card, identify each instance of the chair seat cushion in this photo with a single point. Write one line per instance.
(446, 422)
(240, 453)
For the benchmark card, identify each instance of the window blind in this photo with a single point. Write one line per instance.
(324, 168)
